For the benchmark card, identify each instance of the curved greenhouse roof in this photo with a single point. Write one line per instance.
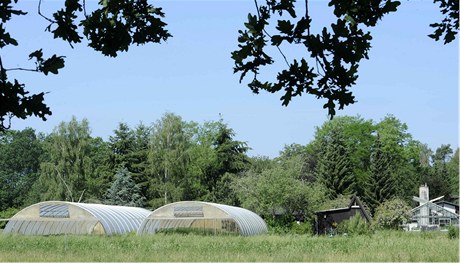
(204, 216)
(57, 217)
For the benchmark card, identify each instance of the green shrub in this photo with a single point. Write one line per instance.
(452, 232)
(304, 228)
(280, 224)
(355, 226)
(391, 214)
(8, 213)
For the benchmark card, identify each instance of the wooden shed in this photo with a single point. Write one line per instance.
(329, 219)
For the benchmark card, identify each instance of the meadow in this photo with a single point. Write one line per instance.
(382, 246)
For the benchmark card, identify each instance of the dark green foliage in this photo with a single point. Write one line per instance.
(111, 28)
(121, 144)
(335, 52)
(302, 228)
(230, 159)
(186, 161)
(453, 170)
(340, 201)
(52, 64)
(118, 24)
(358, 138)
(334, 168)
(15, 101)
(279, 195)
(381, 185)
(124, 191)
(130, 149)
(397, 144)
(20, 153)
(356, 225)
(452, 232)
(448, 28)
(6, 214)
(101, 176)
(439, 179)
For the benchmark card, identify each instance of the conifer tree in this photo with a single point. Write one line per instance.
(124, 191)
(381, 185)
(334, 168)
(130, 149)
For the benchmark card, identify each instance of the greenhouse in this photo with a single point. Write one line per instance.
(57, 217)
(203, 216)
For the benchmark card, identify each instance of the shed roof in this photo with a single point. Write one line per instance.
(181, 214)
(355, 202)
(59, 217)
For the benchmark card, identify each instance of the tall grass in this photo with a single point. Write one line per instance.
(382, 246)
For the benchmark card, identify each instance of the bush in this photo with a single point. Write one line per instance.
(391, 214)
(280, 224)
(304, 228)
(8, 213)
(355, 226)
(452, 232)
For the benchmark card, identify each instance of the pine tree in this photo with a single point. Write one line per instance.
(130, 149)
(381, 186)
(124, 191)
(122, 144)
(334, 168)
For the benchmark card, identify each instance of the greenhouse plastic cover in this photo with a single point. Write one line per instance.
(247, 221)
(54, 217)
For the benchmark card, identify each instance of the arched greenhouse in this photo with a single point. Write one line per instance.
(210, 217)
(57, 217)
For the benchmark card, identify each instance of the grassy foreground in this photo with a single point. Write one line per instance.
(382, 246)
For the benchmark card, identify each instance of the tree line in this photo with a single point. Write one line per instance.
(173, 160)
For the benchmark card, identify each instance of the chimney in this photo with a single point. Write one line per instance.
(424, 192)
(424, 211)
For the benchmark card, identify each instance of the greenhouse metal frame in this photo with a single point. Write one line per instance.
(205, 216)
(58, 217)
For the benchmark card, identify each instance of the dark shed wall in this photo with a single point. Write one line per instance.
(326, 219)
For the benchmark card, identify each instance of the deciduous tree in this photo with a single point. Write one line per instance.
(20, 154)
(70, 167)
(111, 28)
(168, 158)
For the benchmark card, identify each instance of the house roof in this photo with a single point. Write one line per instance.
(448, 203)
(434, 207)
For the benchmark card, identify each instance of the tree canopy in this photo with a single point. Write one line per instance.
(109, 29)
(174, 160)
(327, 69)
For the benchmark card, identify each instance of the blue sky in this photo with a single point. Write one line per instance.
(408, 75)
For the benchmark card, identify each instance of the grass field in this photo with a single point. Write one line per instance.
(382, 246)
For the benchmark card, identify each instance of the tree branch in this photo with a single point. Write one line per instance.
(84, 8)
(40, 13)
(24, 69)
(307, 16)
(3, 82)
(265, 31)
